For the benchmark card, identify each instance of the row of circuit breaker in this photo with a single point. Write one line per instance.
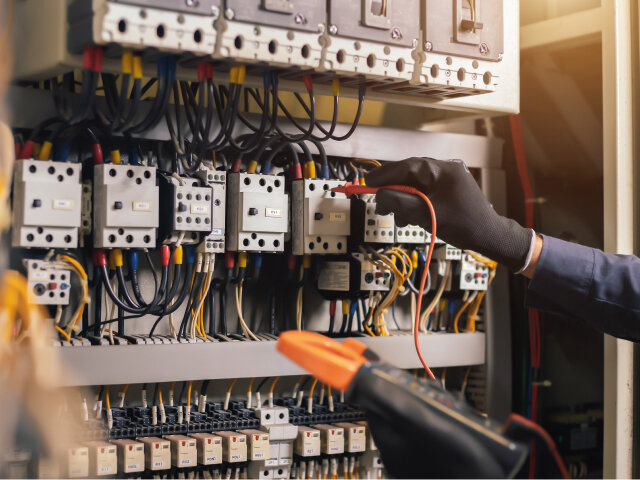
(127, 207)
(428, 47)
(275, 449)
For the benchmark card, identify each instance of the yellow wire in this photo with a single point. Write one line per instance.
(159, 394)
(106, 397)
(460, 312)
(313, 387)
(63, 333)
(124, 388)
(273, 385)
(189, 393)
(250, 384)
(232, 385)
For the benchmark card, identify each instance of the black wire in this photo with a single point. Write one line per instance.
(212, 312)
(97, 312)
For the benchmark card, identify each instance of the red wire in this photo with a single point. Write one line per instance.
(545, 436)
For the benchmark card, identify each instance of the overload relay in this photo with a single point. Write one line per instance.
(257, 213)
(49, 284)
(125, 206)
(320, 218)
(344, 277)
(47, 202)
(474, 275)
(217, 181)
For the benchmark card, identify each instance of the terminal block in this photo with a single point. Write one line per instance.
(448, 252)
(47, 203)
(257, 212)
(282, 434)
(125, 206)
(186, 206)
(49, 284)
(369, 227)
(412, 234)
(474, 275)
(343, 277)
(103, 459)
(285, 33)
(375, 38)
(209, 448)
(321, 219)
(157, 453)
(217, 181)
(130, 456)
(165, 25)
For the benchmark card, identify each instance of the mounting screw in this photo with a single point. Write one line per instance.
(229, 13)
(385, 63)
(300, 19)
(500, 56)
(333, 30)
(484, 48)
(215, 11)
(428, 46)
(396, 34)
(192, 3)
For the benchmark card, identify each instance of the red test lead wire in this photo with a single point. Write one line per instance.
(349, 189)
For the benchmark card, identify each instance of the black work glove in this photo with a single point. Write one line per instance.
(464, 216)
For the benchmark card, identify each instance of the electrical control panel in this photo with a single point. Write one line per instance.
(126, 206)
(49, 283)
(163, 25)
(320, 218)
(474, 275)
(209, 448)
(47, 201)
(186, 207)
(367, 226)
(217, 181)
(280, 32)
(257, 212)
(373, 37)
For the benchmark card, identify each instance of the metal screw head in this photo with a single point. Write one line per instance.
(428, 46)
(484, 48)
(215, 11)
(229, 14)
(300, 19)
(333, 30)
(385, 63)
(396, 34)
(192, 3)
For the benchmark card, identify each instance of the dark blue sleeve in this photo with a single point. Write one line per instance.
(586, 283)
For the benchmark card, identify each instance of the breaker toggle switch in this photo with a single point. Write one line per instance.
(253, 211)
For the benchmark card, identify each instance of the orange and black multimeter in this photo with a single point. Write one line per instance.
(420, 429)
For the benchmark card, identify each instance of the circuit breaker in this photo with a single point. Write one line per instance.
(374, 37)
(125, 208)
(48, 283)
(257, 212)
(186, 207)
(320, 218)
(369, 227)
(217, 181)
(474, 275)
(47, 201)
(372, 278)
(165, 25)
(281, 32)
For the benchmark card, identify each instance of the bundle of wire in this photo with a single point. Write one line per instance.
(349, 190)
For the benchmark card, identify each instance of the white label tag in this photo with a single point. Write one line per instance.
(217, 231)
(200, 209)
(38, 275)
(235, 457)
(185, 462)
(273, 212)
(334, 449)
(337, 217)
(311, 451)
(271, 463)
(62, 204)
(159, 464)
(141, 206)
(105, 469)
(132, 467)
(211, 459)
(258, 455)
(334, 276)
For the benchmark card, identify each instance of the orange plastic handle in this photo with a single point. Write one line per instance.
(329, 361)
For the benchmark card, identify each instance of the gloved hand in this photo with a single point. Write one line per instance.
(465, 217)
